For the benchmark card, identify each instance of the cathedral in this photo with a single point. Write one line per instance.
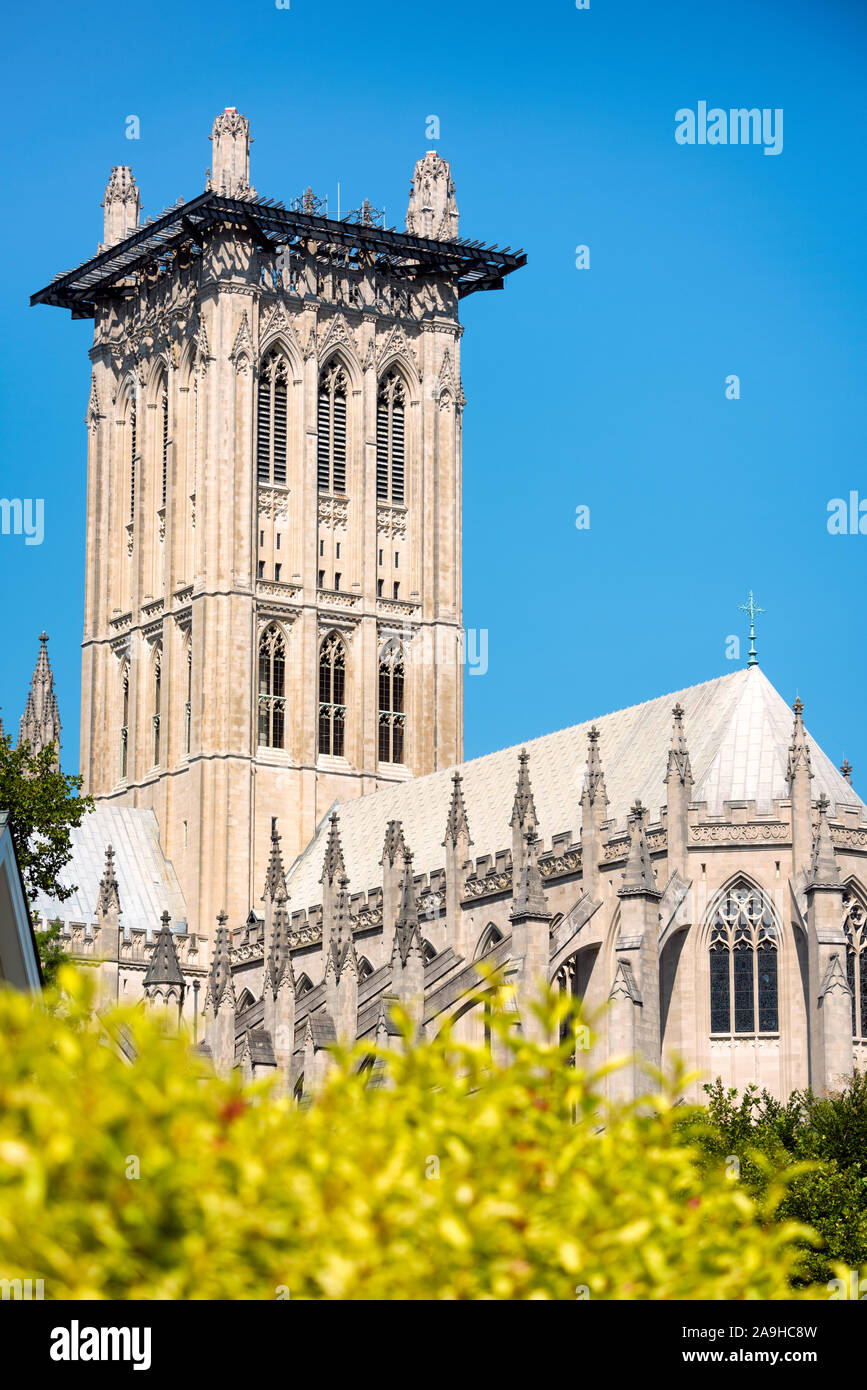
(272, 687)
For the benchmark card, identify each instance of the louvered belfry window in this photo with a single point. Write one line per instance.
(272, 422)
(133, 445)
(332, 696)
(390, 410)
(164, 408)
(331, 425)
(743, 965)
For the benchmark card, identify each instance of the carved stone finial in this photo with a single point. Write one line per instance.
(40, 722)
(432, 210)
(229, 174)
(121, 205)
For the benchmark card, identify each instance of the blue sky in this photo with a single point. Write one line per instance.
(603, 387)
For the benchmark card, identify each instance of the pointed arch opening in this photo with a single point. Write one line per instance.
(272, 688)
(743, 952)
(272, 406)
(332, 696)
(303, 985)
(490, 937)
(391, 402)
(392, 704)
(124, 721)
(855, 927)
(157, 691)
(331, 449)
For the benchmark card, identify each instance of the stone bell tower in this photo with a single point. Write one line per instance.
(273, 589)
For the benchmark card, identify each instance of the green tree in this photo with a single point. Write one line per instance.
(44, 805)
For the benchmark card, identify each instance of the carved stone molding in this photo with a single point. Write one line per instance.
(849, 837)
(391, 520)
(334, 512)
(274, 502)
(764, 832)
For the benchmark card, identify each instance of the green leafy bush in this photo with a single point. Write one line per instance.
(436, 1174)
(827, 1136)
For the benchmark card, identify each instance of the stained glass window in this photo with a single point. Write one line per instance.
(743, 965)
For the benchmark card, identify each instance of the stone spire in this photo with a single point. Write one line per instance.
(121, 206)
(407, 953)
(432, 210)
(594, 778)
(341, 968)
(528, 896)
(392, 869)
(824, 868)
(799, 775)
(678, 779)
(407, 932)
(457, 823)
(457, 844)
(594, 813)
(333, 869)
(220, 999)
(229, 174)
(40, 722)
(279, 990)
(109, 894)
(221, 986)
(164, 985)
(275, 878)
(164, 967)
(524, 816)
(638, 876)
(531, 938)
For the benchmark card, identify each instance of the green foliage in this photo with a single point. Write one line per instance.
(436, 1174)
(51, 953)
(827, 1135)
(44, 805)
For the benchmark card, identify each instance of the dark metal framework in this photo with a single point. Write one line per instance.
(274, 227)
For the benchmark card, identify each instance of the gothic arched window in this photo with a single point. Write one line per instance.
(331, 425)
(489, 938)
(855, 926)
(332, 696)
(188, 703)
(164, 414)
(743, 964)
(271, 423)
(133, 459)
(390, 405)
(124, 728)
(392, 716)
(272, 688)
(157, 716)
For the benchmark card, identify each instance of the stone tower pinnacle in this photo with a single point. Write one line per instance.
(432, 210)
(40, 722)
(230, 159)
(121, 205)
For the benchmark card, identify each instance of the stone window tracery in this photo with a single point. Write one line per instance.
(332, 696)
(392, 714)
(855, 927)
(390, 432)
(124, 728)
(157, 690)
(272, 421)
(272, 688)
(331, 426)
(743, 965)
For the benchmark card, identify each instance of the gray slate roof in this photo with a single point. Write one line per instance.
(738, 730)
(147, 882)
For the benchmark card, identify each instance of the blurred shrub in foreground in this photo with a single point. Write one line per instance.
(435, 1175)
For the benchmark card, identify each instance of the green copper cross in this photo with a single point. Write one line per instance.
(752, 608)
